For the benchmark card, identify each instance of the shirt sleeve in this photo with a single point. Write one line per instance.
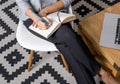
(67, 2)
(23, 5)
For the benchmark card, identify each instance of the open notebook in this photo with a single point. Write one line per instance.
(55, 19)
(110, 35)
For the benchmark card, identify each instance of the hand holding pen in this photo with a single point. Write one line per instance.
(42, 22)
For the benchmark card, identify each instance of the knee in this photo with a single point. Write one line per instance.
(68, 37)
(65, 34)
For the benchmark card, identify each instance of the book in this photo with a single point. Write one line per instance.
(64, 18)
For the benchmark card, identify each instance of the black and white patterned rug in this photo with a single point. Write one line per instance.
(47, 66)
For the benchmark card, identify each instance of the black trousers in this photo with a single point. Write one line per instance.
(82, 63)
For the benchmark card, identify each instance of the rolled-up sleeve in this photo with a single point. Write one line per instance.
(67, 2)
(23, 5)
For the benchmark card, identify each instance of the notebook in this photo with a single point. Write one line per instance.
(55, 20)
(110, 35)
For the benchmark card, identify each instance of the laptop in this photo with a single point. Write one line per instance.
(110, 34)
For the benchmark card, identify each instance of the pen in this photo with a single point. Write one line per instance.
(42, 19)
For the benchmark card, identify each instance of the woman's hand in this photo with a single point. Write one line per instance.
(41, 25)
(36, 21)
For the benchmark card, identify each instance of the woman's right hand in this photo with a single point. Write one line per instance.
(41, 25)
(36, 21)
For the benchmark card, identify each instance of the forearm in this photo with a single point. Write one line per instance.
(52, 8)
(31, 15)
(55, 7)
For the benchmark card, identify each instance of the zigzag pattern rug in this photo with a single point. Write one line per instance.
(47, 66)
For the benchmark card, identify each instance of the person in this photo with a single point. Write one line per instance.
(81, 61)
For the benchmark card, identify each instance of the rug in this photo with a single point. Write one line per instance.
(47, 67)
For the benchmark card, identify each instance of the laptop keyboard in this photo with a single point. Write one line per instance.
(117, 37)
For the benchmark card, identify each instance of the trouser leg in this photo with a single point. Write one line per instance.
(81, 74)
(83, 56)
(82, 63)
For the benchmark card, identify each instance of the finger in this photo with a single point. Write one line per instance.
(48, 20)
(43, 27)
(46, 26)
(33, 24)
(40, 23)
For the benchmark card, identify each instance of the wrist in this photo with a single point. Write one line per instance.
(43, 13)
(34, 17)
